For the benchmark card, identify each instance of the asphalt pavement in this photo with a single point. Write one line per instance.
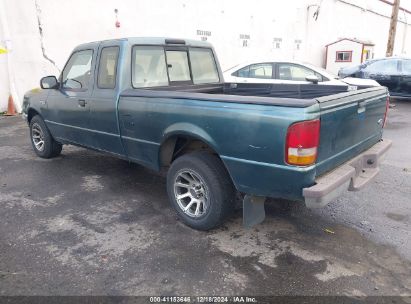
(85, 223)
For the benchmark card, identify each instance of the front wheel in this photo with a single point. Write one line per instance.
(200, 190)
(43, 143)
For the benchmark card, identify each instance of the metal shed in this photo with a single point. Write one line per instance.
(347, 51)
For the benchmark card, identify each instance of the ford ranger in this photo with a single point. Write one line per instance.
(163, 103)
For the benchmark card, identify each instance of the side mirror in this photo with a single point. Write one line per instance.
(312, 78)
(49, 82)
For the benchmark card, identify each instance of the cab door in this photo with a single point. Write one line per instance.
(69, 105)
(103, 103)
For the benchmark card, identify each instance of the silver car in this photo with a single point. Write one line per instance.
(290, 72)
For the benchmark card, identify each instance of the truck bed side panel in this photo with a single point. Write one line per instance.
(248, 137)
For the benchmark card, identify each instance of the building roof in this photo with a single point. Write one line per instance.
(353, 40)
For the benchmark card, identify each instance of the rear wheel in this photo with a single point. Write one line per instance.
(200, 190)
(43, 143)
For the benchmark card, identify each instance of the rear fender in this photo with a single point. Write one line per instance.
(194, 132)
(189, 130)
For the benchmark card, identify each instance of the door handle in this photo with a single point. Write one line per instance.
(82, 102)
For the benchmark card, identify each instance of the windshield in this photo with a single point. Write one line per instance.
(234, 66)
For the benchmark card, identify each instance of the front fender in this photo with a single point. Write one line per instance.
(35, 100)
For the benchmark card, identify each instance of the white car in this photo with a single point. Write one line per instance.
(289, 72)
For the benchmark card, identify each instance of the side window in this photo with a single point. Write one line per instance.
(389, 66)
(343, 56)
(295, 72)
(244, 72)
(203, 66)
(406, 66)
(107, 69)
(261, 70)
(148, 67)
(76, 74)
(177, 64)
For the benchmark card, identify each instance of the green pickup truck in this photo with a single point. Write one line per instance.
(163, 103)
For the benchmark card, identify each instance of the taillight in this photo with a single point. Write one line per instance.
(302, 143)
(387, 105)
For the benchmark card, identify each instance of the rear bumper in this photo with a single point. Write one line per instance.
(351, 176)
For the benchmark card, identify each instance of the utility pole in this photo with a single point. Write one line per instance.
(393, 28)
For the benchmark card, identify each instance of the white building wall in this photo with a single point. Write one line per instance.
(345, 45)
(4, 74)
(68, 23)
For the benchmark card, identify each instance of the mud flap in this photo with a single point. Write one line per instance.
(253, 210)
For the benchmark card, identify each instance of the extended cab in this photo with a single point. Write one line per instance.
(163, 103)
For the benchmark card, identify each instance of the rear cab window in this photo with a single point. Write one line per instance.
(177, 66)
(203, 66)
(148, 68)
(156, 66)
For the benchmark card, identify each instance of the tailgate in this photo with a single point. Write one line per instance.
(350, 123)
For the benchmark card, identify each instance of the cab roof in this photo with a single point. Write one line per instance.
(153, 41)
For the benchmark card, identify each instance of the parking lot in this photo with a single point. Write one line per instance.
(89, 224)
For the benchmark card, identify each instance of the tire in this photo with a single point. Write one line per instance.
(43, 143)
(213, 193)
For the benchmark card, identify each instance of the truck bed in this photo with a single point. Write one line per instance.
(248, 132)
(290, 91)
(229, 97)
(292, 95)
